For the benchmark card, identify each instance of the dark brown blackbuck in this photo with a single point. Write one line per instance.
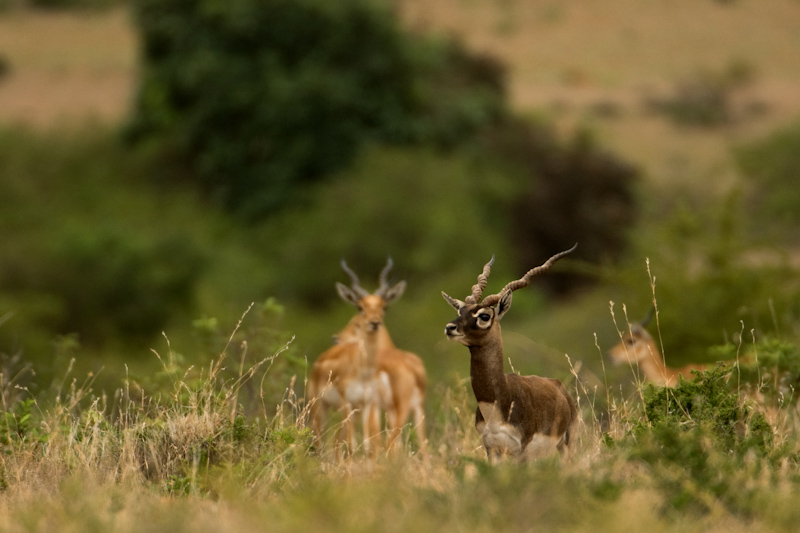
(522, 416)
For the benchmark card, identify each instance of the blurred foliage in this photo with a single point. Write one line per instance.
(709, 285)
(425, 211)
(106, 285)
(773, 166)
(69, 272)
(86, 251)
(255, 99)
(575, 191)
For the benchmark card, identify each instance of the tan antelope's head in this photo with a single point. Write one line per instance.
(371, 307)
(636, 346)
(475, 325)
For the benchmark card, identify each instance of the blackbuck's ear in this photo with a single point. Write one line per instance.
(395, 292)
(504, 304)
(455, 303)
(346, 294)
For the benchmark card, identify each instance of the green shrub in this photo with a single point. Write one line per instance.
(707, 400)
(697, 439)
(769, 367)
(254, 99)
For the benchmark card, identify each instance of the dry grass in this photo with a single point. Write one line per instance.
(173, 462)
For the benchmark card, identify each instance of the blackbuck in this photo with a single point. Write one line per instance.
(351, 376)
(522, 416)
(638, 349)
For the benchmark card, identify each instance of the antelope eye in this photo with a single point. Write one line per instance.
(484, 317)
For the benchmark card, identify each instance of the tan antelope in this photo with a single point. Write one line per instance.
(345, 376)
(638, 349)
(523, 416)
(405, 375)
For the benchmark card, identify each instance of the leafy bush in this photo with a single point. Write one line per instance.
(769, 369)
(254, 99)
(696, 438)
(773, 166)
(706, 400)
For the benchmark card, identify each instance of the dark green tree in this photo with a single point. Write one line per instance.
(254, 99)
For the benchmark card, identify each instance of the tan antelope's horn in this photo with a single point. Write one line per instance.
(355, 284)
(383, 279)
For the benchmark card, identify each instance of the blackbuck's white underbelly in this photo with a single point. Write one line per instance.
(501, 437)
(497, 434)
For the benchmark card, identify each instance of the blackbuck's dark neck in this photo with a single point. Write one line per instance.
(488, 378)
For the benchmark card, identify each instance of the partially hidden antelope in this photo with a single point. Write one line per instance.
(522, 416)
(638, 349)
(351, 375)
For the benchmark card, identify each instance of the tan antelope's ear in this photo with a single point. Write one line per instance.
(454, 302)
(504, 304)
(346, 294)
(395, 292)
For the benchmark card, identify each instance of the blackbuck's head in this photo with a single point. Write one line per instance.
(636, 345)
(370, 306)
(476, 320)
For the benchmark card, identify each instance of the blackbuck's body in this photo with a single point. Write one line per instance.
(522, 416)
(526, 416)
